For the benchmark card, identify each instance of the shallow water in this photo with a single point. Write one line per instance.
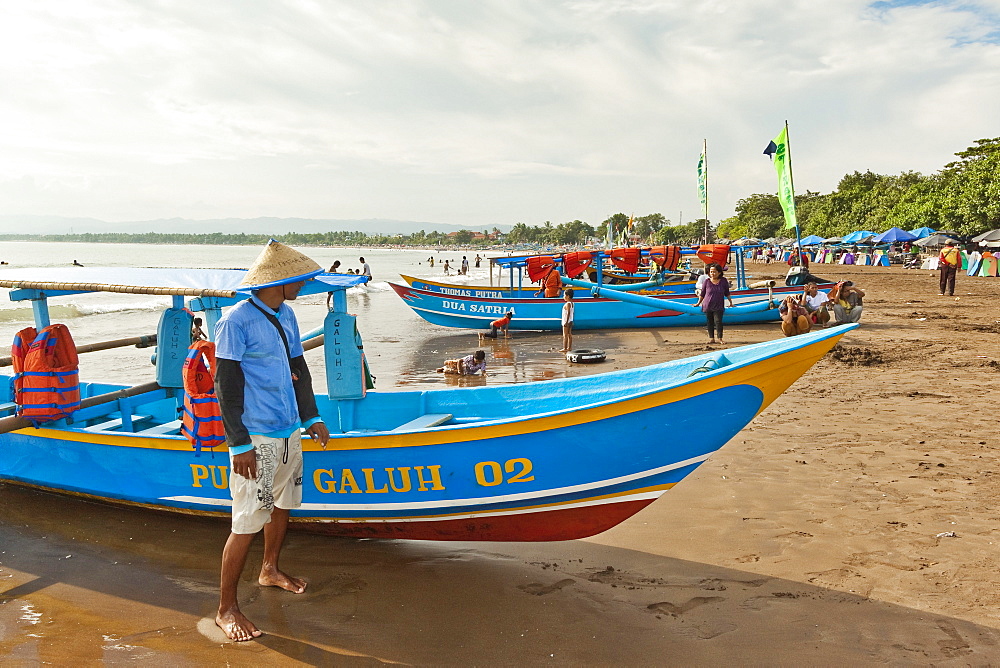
(402, 348)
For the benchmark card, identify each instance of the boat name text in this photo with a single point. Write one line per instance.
(382, 481)
(486, 309)
(459, 292)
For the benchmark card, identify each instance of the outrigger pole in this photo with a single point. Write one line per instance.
(137, 341)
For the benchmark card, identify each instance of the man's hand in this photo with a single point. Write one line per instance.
(319, 432)
(245, 464)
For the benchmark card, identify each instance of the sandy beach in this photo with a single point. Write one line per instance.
(851, 522)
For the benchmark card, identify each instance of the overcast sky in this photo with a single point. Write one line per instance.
(477, 112)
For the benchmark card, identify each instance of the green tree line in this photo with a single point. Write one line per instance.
(962, 198)
(652, 228)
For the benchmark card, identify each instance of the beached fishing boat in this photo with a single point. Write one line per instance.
(557, 460)
(608, 309)
(652, 303)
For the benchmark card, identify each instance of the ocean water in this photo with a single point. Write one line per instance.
(402, 348)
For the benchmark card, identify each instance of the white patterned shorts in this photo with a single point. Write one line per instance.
(278, 483)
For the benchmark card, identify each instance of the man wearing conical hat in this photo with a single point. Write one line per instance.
(266, 397)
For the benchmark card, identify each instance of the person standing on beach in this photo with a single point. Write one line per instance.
(265, 395)
(365, 269)
(712, 299)
(567, 321)
(949, 261)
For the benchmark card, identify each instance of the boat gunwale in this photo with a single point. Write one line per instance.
(472, 431)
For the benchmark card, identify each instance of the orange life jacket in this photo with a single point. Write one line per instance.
(718, 253)
(576, 263)
(668, 257)
(201, 421)
(46, 373)
(538, 266)
(626, 259)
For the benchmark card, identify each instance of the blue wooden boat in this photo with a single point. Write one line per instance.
(672, 284)
(665, 300)
(557, 460)
(610, 310)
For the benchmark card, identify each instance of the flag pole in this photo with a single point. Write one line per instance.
(791, 181)
(704, 151)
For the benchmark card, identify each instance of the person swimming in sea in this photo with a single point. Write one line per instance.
(76, 264)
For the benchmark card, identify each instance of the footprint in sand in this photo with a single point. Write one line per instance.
(956, 645)
(538, 589)
(676, 610)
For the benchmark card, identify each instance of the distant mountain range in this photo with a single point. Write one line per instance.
(12, 224)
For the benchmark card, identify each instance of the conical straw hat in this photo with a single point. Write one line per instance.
(278, 264)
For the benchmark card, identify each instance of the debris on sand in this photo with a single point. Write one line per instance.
(857, 356)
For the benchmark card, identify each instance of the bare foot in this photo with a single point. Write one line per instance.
(711, 342)
(236, 626)
(279, 579)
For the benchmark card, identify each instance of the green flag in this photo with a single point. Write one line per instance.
(778, 150)
(703, 181)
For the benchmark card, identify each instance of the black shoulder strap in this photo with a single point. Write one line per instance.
(281, 331)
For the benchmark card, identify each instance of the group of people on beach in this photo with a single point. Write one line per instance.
(365, 270)
(463, 269)
(799, 312)
(461, 366)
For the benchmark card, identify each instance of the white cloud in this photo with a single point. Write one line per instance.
(490, 112)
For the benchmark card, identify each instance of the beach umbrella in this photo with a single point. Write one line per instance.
(812, 240)
(894, 235)
(833, 240)
(922, 232)
(934, 240)
(855, 237)
(992, 235)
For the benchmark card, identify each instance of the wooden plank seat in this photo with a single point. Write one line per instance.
(116, 423)
(171, 428)
(425, 421)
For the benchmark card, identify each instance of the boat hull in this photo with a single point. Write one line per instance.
(536, 313)
(572, 470)
(672, 287)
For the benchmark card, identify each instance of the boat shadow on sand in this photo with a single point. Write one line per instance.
(84, 581)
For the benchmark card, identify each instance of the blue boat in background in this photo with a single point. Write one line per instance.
(558, 460)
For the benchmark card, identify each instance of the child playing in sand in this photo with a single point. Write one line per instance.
(497, 326)
(466, 366)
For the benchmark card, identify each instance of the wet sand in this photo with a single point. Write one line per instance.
(853, 521)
